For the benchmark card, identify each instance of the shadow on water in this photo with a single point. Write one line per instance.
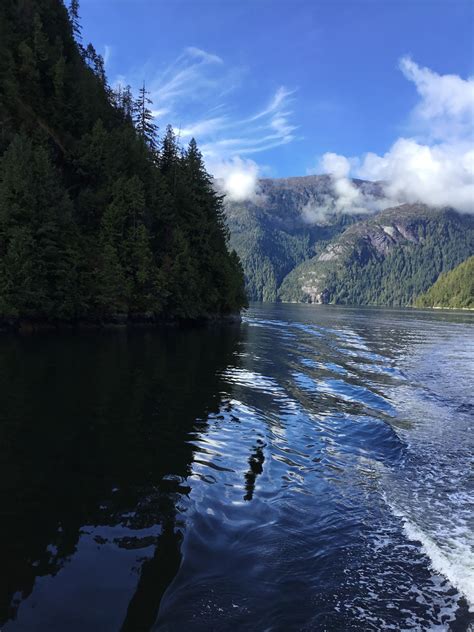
(99, 466)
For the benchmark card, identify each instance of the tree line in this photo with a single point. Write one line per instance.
(453, 289)
(100, 215)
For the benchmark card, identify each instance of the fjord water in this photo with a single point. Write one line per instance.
(309, 469)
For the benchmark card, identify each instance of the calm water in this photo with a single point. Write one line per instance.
(310, 469)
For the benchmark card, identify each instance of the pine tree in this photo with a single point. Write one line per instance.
(144, 121)
(96, 63)
(127, 104)
(146, 284)
(74, 18)
(112, 289)
(36, 226)
(94, 220)
(169, 156)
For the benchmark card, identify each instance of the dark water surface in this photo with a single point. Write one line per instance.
(310, 469)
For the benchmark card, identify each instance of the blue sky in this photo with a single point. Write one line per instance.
(282, 82)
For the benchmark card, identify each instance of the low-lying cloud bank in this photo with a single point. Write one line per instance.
(434, 166)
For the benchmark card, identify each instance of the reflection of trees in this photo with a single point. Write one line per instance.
(93, 431)
(155, 576)
(256, 461)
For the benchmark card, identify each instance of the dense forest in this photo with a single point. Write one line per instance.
(290, 253)
(452, 289)
(101, 217)
(270, 232)
(389, 259)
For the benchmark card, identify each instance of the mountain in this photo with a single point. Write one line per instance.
(100, 219)
(275, 232)
(291, 253)
(453, 289)
(387, 259)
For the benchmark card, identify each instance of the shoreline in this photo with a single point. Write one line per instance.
(352, 305)
(28, 326)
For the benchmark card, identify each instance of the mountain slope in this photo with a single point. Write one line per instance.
(271, 234)
(388, 259)
(99, 219)
(452, 289)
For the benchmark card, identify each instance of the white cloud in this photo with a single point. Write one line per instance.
(318, 211)
(446, 107)
(438, 175)
(237, 178)
(338, 166)
(345, 196)
(202, 128)
(107, 54)
(348, 198)
(279, 98)
(203, 55)
(159, 114)
(434, 166)
(191, 76)
(192, 93)
(227, 136)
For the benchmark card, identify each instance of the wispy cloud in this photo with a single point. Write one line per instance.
(189, 76)
(230, 136)
(278, 100)
(203, 128)
(107, 54)
(203, 55)
(198, 93)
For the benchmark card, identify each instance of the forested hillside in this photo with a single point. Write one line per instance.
(101, 217)
(452, 289)
(272, 234)
(388, 259)
(292, 252)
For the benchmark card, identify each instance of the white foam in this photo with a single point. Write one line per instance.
(455, 562)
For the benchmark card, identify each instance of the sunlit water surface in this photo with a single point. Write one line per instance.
(310, 469)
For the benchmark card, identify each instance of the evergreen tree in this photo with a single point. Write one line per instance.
(36, 228)
(169, 156)
(75, 19)
(144, 121)
(96, 63)
(94, 220)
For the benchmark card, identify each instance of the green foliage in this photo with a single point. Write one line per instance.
(144, 121)
(98, 217)
(271, 238)
(37, 235)
(396, 273)
(452, 289)
(407, 271)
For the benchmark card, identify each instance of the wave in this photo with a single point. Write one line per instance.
(455, 562)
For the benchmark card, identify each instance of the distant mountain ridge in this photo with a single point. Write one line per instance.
(271, 235)
(385, 258)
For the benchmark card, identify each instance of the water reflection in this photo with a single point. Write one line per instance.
(256, 461)
(306, 471)
(95, 453)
